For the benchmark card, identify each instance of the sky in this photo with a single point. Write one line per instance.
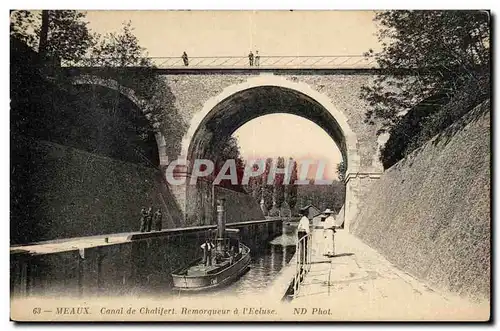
(235, 33)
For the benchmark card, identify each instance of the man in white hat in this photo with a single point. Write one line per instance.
(329, 233)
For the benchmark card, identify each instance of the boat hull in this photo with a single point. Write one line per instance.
(184, 282)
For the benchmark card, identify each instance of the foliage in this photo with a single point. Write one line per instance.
(446, 52)
(120, 49)
(22, 27)
(471, 94)
(279, 186)
(68, 35)
(228, 149)
(292, 188)
(322, 196)
(267, 189)
(254, 187)
(258, 187)
(341, 170)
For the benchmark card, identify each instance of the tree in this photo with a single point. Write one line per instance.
(120, 49)
(22, 27)
(255, 185)
(228, 149)
(405, 136)
(267, 189)
(323, 196)
(446, 51)
(279, 187)
(44, 33)
(341, 171)
(67, 35)
(292, 187)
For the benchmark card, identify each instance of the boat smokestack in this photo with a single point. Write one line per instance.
(221, 225)
(221, 218)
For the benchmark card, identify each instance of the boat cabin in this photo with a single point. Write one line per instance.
(218, 253)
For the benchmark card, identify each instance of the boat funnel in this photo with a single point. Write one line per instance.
(221, 225)
(221, 219)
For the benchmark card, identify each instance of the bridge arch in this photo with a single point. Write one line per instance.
(229, 110)
(128, 93)
(223, 114)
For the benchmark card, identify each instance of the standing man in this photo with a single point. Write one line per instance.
(149, 219)
(207, 247)
(157, 219)
(250, 58)
(185, 59)
(144, 218)
(257, 58)
(303, 230)
(329, 233)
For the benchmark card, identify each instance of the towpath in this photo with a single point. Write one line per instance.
(360, 284)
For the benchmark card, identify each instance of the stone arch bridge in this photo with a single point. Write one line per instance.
(214, 103)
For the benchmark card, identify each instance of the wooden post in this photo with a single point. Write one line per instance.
(44, 34)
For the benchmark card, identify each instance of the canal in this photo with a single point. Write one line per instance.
(265, 265)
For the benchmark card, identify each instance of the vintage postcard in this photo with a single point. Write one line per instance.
(250, 165)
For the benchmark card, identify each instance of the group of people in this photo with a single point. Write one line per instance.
(253, 60)
(148, 218)
(328, 222)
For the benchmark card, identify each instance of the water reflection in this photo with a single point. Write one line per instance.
(266, 263)
(263, 269)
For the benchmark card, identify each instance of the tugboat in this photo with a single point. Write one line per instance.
(222, 263)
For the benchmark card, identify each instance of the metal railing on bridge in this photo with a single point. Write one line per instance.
(292, 62)
(303, 249)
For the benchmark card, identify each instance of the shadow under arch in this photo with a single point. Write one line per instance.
(238, 104)
(172, 211)
(128, 93)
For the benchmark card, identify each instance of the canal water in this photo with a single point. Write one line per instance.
(264, 267)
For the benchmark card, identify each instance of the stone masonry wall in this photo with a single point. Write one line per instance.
(62, 192)
(430, 213)
(192, 91)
